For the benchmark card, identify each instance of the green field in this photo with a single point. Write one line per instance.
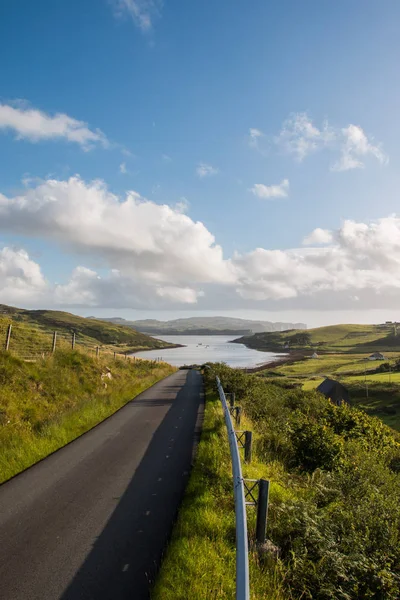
(356, 373)
(32, 332)
(342, 338)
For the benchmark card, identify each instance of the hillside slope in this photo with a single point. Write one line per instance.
(334, 338)
(32, 331)
(206, 326)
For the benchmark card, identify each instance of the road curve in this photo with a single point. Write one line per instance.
(91, 521)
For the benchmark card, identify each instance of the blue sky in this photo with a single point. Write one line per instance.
(263, 121)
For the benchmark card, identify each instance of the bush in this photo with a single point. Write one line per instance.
(337, 525)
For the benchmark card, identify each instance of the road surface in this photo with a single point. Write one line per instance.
(91, 521)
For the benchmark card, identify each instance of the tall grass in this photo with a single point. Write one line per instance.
(49, 402)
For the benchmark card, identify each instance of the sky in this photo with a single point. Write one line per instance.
(175, 158)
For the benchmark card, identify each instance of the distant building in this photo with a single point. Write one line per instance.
(334, 391)
(376, 356)
(315, 355)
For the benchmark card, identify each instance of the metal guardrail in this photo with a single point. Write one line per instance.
(242, 558)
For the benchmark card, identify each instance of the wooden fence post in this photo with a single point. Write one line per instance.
(8, 337)
(97, 352)
(73, 341)
(53, 348)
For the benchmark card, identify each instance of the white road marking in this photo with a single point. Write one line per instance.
(126, 567)
(147, 513)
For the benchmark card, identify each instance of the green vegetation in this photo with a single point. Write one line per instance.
(334, 513)
(32, 332)
(355, 372)
(44, 404)
(200, 559)
(334, 338)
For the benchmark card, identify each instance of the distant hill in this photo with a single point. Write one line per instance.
(334, 338)
(205, 326)
(32, 330)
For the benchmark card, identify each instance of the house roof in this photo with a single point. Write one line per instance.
(334, 390)
(376, 354)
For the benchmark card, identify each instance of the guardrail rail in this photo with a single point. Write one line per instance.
(242, 556)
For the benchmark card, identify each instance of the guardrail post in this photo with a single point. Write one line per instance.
(232, 399)
(262, 511)
(238, 415)
(8, 337)
(73, 341)
(53, 347)
(248, 445)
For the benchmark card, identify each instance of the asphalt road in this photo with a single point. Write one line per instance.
(91, 521)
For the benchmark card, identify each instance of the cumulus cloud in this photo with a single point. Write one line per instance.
(280, 190)
(122, 168)
(21, 279)
(35, 125)
(152, 255)
(318, 236)
(355, 146)
(148, 240)
(204, 170)
(142, 12)
(300, 137)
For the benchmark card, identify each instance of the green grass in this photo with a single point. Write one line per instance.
(333, 511)
(200, 559)
(47, 403)
(32, 332)
(334, 338)
(351, 370)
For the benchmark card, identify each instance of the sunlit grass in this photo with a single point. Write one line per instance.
(47, 403)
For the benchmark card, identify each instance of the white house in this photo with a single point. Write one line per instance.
(376, 356)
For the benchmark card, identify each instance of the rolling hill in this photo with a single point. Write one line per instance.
(205, 326)
(333, 338)
(32, 332)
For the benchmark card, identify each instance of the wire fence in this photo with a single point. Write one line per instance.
(33, 342)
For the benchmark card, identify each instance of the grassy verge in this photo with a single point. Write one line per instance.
(200, 559)
(47, 403)
(334, 515)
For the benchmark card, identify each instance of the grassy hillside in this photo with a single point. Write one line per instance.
(334, 338)
(356, 373)
(32, 332)
(334, 515)
(44, 404)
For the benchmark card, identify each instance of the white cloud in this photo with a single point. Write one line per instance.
(151, 255)
(181, 295)
(299, 136)
(204, 170)
(142, 12)
(122, 168)
(356, 146)
(21, 279)
(166, 158)
(34, 125)
(254, 136)
(145, 240)
(318, 236)
(271, 191)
